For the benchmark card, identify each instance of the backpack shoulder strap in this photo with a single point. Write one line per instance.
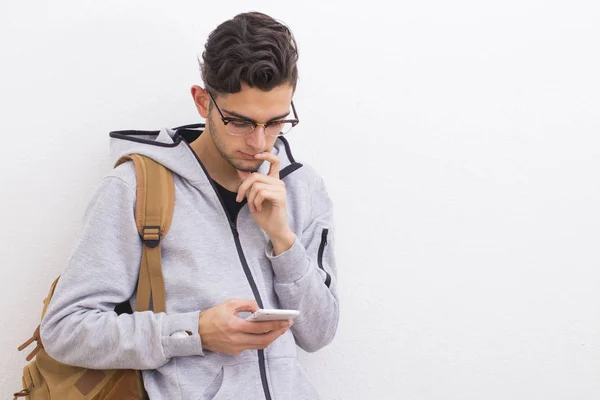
(50, 294)
(155, 201)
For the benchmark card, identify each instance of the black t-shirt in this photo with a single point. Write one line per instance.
(233, 207)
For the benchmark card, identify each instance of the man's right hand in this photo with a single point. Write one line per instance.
(222, 331)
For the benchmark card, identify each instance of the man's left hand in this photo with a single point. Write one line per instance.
(266, 195)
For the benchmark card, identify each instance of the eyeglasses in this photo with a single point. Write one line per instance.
(243, 127)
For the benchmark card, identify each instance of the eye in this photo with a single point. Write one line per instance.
(241, 124)
(275, 123)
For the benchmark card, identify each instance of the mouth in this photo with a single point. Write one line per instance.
(247, 156)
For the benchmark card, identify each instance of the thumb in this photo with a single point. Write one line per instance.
(243, 305)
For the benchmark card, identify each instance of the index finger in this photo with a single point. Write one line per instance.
(260, 327)
(273, 160)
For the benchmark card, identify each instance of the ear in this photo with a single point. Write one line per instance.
(201, 100)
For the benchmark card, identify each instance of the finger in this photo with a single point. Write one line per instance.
(259, 186)
(241, 192)
(261, 327)
(259, 198)
(273, 160)
(252, 341)
(272, 196)
(252, 180)
(246, 185)
(237, 305)
(253, 192)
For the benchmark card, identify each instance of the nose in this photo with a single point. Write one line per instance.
(256, 139)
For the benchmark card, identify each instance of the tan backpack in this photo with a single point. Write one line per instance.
(45, 378)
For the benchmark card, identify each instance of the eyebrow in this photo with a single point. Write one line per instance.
(240, 116)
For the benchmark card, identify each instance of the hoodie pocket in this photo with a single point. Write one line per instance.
(324, 234)
(215, 386)
(289, 380)
(241, 381)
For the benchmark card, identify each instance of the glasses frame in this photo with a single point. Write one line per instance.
(227, 120)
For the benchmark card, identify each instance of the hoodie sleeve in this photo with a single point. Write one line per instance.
(81, 327)
(306, 277)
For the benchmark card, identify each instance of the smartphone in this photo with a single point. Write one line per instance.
(273, 315)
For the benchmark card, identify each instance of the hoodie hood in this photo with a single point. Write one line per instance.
(171, 148)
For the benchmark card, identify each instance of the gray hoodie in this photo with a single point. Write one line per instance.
(207, 259)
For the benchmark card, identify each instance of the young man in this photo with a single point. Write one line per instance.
(252, 228)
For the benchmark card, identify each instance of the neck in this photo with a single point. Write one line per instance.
(217, 167)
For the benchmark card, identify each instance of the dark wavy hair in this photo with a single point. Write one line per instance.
(252, 48)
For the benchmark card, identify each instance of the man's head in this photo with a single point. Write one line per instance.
(252, 48)
(249, 68)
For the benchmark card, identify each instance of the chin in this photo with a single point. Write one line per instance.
(248, 166)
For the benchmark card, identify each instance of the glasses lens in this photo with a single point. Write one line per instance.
(278, 128)
(239, 128)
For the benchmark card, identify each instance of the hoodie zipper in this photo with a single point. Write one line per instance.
(238, 245)
(320, 255)
(236, 236)
(250, 278)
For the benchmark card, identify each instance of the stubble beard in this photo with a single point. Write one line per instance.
(221, 149)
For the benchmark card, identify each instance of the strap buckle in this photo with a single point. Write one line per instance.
(151, 235)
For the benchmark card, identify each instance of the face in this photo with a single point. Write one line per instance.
(252, 104)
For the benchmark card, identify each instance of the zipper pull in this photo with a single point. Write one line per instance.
(324, 236)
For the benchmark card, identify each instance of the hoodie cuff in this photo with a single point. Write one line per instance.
(291, 265)
(173, 344)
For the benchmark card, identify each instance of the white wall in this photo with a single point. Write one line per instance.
(459, 140)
